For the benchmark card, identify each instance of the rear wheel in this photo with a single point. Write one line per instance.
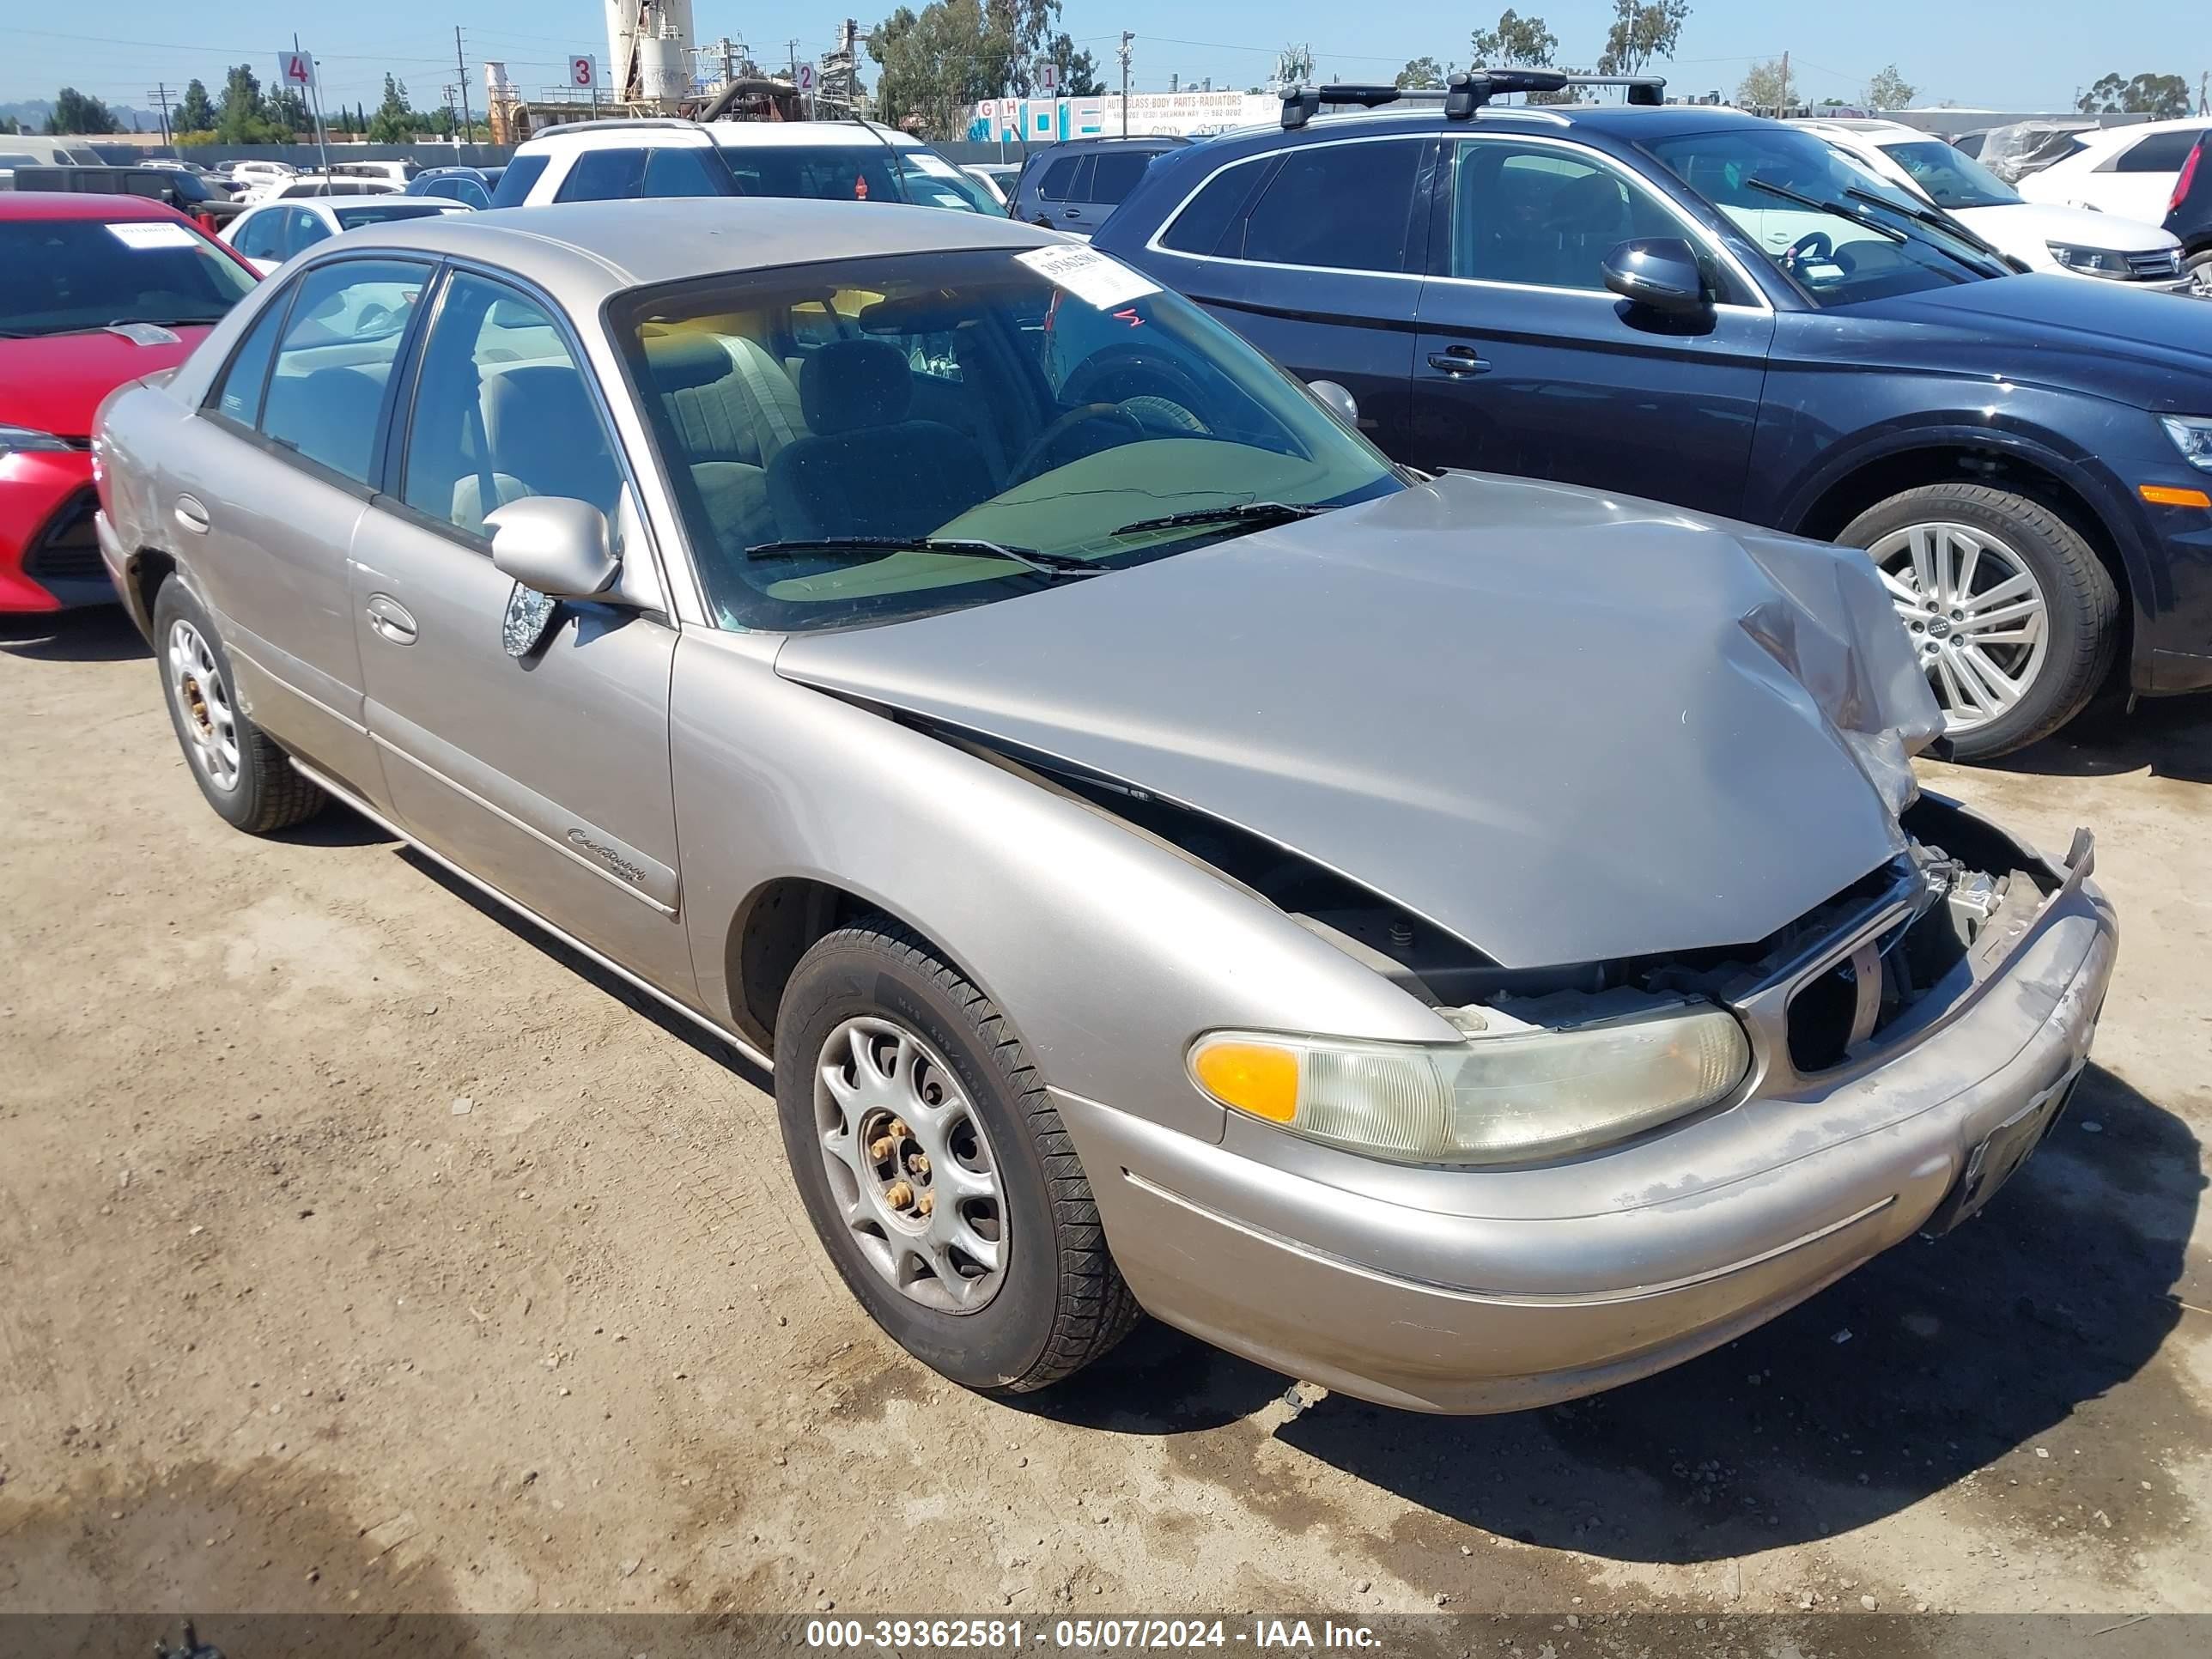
(935, 1169)
(2012, 618)
(248, 780)
(2199, 267)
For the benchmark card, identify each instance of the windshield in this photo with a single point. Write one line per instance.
(933, 182)
(60, 276)
(1839, 231)
(863, 408)
(377, 213)
(1952, 178)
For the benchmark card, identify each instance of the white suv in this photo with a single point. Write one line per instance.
(841, 161)
(2128, 171)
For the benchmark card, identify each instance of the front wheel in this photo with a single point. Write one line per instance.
(935, 1169)
(2013, 618)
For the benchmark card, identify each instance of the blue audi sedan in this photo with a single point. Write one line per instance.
(1692, 305)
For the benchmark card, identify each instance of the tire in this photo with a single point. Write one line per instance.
(1057, 1302)
(2051, 676)
(248, 780)
(2199, 269)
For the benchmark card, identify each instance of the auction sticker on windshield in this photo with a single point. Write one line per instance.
(153, 233)
(1089, 276)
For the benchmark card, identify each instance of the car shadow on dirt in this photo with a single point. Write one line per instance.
(1978, 1357)
(2167, 737)
(684, 1030)
(96, 634)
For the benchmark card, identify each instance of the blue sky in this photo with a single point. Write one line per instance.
(2018, 54)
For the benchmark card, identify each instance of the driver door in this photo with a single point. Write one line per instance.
(1524, 362)
(545, 776)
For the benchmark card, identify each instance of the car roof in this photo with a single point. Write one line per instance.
(2103, 139)
(773, 135)
(80, 204)
(582, 252)
(418, 205)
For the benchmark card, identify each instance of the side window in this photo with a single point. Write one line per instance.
(1543, 217)
(305, 230)
(672, 170)
(1213, 212)
(237, 398)
(1115, 173)
(514, 184)
(470, 193)
(336, 358)
(257, 238)
(2162, 152)
(603, 175)
(1058, 183)
(502, 410)
(1342, 207)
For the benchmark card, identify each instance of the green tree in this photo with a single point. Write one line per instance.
(9, 124)
(395, 121)
(288, 110)
(78, 112)
(1641, 33)
(2162, 97)
(1769, 85)
(195, 110)
(1522, 42)
(1421, 73)
(242, 116)
(1890, 90)
(937, 63)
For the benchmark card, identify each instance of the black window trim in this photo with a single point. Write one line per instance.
(398, 428)
(209, 406)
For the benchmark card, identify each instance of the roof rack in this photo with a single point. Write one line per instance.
(1470, 89)
(605, 123)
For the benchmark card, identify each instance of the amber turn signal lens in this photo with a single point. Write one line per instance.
(1252, 1077)
(2168, 496)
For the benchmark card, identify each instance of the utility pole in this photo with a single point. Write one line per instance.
(161, 95)
(462, 65)
(1782, 96)
(1127, 38)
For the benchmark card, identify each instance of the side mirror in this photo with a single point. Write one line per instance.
(1659, 271)
(1337, 401)
(553, 546)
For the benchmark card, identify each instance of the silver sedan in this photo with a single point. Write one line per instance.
(1465, 941)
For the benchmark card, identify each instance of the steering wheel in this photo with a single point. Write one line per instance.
(1030, 463)
(1812, 245)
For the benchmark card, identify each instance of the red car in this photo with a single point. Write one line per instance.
(95, 291)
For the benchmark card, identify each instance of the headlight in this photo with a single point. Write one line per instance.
(13, 438)
(2090, 261)
(2192, 436)
(1502, 1099)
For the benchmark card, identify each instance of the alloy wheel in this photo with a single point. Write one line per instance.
(1978, 617)
(204, 706)
(910, 1169)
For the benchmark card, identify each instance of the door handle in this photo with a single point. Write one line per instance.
(1071, 213)
(390, 619)
(1457, 361)
(191, 515)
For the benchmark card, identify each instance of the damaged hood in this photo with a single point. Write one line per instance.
(1560, 726)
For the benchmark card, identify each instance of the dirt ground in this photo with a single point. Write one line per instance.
(360, 1250)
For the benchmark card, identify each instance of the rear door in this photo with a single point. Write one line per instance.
(546, 775)
(1314, 253)
(1060, 188)
(1113, 173)
(269, 483)
(1526, 364)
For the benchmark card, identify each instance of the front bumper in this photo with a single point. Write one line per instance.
(47, 561)
(1500, 1290)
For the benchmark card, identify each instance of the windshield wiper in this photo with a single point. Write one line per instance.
(1030, 558)
(1932, 217)
(1252, 512)
(1836, 207)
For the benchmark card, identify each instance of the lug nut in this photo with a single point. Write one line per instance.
(899, 1195)
(917, 1164)
(899, 1129)
(880, 1150)
(925, 1204)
